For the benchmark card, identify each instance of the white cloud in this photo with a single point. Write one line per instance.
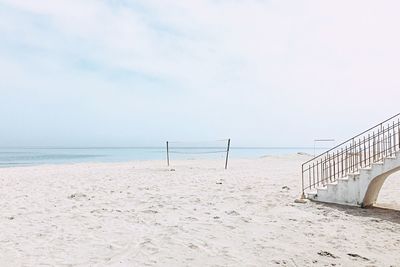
(262, 72)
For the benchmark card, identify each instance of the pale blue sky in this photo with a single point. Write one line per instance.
(131, 73)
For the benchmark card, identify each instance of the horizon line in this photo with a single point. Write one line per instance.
(157, 147)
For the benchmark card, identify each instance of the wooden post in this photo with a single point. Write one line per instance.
(227, 153)
(167, 154)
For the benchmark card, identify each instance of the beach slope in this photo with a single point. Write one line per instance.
(194, 213)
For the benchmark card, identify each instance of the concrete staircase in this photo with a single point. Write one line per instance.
(360, 188)
(353, 172)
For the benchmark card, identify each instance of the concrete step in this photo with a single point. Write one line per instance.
(322, 194)
(332, 187)
(352, 189)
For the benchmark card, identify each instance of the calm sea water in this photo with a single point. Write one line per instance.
(10, 157)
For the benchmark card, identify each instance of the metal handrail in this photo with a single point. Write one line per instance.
(379, 124)
(360, 151)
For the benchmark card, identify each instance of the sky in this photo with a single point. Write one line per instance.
(138, 73)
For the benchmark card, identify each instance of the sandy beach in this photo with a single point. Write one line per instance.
(193, 213)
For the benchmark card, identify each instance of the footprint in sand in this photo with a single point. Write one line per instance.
(77, 196)
(192, 246)
(232, 212)
(149, 246)
(246, 219)
(150, 211)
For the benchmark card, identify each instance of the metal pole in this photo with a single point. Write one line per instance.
(302, 182)
(167, 154)
(227, 153)
(314, 147)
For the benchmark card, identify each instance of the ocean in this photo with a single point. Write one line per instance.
(28, 156)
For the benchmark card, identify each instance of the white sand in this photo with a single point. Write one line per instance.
(141, 213)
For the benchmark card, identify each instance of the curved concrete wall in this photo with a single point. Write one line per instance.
(374, 187)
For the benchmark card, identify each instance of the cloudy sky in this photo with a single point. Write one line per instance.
(128, 73)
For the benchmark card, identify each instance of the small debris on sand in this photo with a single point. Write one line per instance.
(327, 254)
(354, 255)
(77, 196)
